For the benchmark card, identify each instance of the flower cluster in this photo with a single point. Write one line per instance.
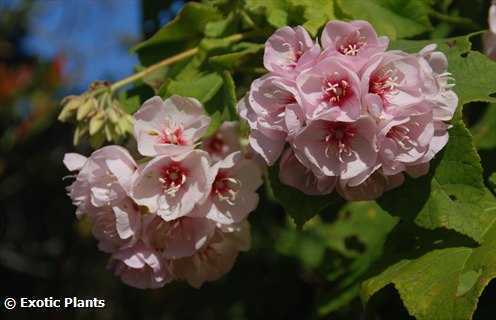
(354, 116)
(180, 214)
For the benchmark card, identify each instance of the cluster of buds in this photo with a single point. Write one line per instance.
(98, 116)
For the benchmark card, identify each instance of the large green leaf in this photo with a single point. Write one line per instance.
(438, 274)
(394, 18)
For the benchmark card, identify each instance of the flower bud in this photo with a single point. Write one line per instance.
(98, 116)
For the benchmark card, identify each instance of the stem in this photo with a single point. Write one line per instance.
(153, 67)
(452, 19)
(178, 57)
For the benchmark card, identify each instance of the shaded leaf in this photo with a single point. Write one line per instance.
(316, 13)
(366, 224)
(236, 59)
(394, 18)
(299, 206)
(276, 11)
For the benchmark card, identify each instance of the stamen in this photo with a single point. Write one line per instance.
(400, 134)
(335, 91)
(383, 83)
(173, 178)
(226, 188)
(352, 44)
(338, 140)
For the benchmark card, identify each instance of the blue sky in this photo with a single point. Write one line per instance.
(93, 35)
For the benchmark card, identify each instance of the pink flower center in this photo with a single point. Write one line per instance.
(339, 137)
(226, 188)
(336, 91)
(293, 54)
(173, 137)
(400, 134)
(216, 145)
(173, 178)
(351, 44)
(383, 83)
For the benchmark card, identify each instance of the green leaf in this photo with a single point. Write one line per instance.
(276, 11)
(215, 122)
(299, 206)
(492, 182)
(394, 18)
(184, 31)
(230, 99)
(438, 275)
(475, 77)
(451, 196)
(203, 88)
(219, 28)
(484, 131)
(236, 59)
(316, 13)
(452, 47)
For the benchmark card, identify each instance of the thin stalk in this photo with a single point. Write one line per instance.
(171, 60)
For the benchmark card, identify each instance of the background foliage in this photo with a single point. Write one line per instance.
(423, 250)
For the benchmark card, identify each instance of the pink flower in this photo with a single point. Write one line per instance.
(116, 227)
(170, 186)
(233, 194)
(437, 143)
(269, 98)
(223, 142)
(293, 173)
(437, 86)
(331, 89)
(489, 39)
(290, 50)
(395, 78)
(344, 149)
(140, 266)
(178, 238)
(216, 258)
(169, 127)
(354, 41)
(406, 138)
(104, 178)
(266, 142)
